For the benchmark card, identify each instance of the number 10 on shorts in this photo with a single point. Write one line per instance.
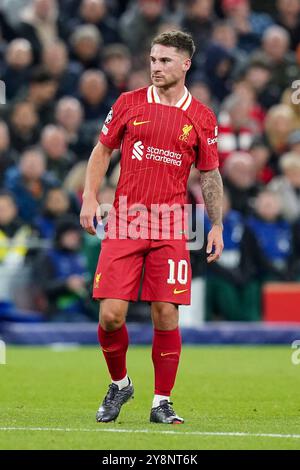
(178, 271)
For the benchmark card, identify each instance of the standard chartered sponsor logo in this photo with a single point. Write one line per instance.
(156, 154)
(165, 156)
(138, 151)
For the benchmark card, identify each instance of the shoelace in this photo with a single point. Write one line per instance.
(111, 394)
(167, 408)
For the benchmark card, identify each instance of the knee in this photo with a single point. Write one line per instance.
(111, 318)
(165, 316)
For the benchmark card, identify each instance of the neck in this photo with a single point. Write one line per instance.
(170, 95)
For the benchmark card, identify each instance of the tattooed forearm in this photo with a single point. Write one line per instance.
(212, 191)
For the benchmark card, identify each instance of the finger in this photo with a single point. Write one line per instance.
(88, 225)
(209, 246)
(213, 257)
(218, 249)
(90, 231)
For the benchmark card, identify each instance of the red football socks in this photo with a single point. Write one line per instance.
(165, 356)
(114, 345)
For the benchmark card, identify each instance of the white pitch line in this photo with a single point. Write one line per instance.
(149, 431)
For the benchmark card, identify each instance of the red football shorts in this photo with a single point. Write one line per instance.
(162, 265)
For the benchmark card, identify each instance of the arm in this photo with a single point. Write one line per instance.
(96, 170)
(212, 191)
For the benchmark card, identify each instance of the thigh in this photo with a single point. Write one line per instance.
(167, 274)
(119, 269)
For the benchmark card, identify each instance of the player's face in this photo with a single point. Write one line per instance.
(168, 66)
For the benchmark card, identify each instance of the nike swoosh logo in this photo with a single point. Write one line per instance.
(168, 354)
(139, 123)
(175, 291)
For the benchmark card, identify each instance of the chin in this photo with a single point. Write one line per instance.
(160, 84)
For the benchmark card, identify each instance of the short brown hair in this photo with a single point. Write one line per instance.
(182, 41)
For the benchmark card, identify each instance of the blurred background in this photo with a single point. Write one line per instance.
(64, 63)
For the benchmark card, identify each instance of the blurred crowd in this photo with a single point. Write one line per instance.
(64, 63)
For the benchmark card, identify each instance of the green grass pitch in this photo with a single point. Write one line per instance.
(48, 400)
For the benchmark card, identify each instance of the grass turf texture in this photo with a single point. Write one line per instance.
(219, 389)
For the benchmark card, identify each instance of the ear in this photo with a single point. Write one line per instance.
(186, 65)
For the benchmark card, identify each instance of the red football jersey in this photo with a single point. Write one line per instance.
(159, 144)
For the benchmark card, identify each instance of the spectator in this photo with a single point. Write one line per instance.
(57, 205)
(199, 88)
(24, 126)
(116, 62)
(274, 236)
(59, 159)
(16, 72)
(96, 12)
(236, 130)
(74, 181)
(14, 234)
(249, 26)
(41, 25)
(279, 123)
(69, 115)
(288, 16)
(62, 275)
(239, 173)
(287, 186)
(8, 157)
(275, 50)
(86, 44)
(93, 89)
(14, 244)
(29, 182)
(218, 69)
(138, 79)
(198, 19)
(140, 22)
(55, 60)
(41, 92)
(247, 94)
(258, 74)
(224, 35)
(261, 154)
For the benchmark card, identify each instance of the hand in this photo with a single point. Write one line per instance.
(214, 240)
(76, 283)
(88, 212)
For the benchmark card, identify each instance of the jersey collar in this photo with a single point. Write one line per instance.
(183, 103)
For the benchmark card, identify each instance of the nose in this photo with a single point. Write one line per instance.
(156, 67)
